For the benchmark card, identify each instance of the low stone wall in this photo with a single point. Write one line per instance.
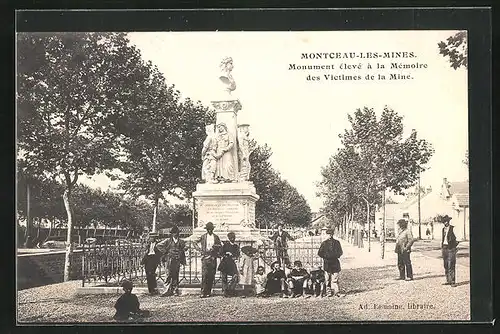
(46, 268)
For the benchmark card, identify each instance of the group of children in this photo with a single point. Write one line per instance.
(291, 282)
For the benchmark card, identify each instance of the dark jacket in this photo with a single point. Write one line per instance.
(125, 305)
(216, 249)
(227, 264)
(452, 239)
(281, 241)
(172, 249)
(330, 251)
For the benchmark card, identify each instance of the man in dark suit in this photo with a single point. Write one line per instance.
(330, 251)
(209, 245)
(449, 245)
(151, 260)
(175, 250)
(280, 239)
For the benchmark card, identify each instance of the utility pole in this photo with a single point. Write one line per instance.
(382, 232)
(419, 216)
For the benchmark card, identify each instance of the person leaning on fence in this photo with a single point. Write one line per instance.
(297, 280)
(175, 251)
(280, 239)
(404, 241)
(227, 267)
(449, 245)
(330, 251)
(127, 306)
(209, 245)
(151, 260)
(275, 282)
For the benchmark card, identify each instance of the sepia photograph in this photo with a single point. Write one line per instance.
(242, 176)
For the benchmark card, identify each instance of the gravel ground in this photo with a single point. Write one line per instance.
(368, 282)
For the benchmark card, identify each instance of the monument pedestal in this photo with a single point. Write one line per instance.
(230, 207)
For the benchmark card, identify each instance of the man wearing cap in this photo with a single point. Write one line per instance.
(280, 239)
(449, 245)
(330, 251)
(175, 251)
(151, 260)
(227, 267)
(404, 241)
(209, 245)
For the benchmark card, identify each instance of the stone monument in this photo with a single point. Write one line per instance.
(227, 197)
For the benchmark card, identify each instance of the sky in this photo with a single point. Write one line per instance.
(301, 119)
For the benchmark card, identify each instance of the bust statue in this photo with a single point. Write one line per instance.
(226, 66)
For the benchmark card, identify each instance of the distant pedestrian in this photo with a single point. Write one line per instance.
(175, 252)
(128, 306)
(330, 251)
(449, 245)
(404, 241)
(281, 239)
(227, 267)
(209, 245)
(428, 233)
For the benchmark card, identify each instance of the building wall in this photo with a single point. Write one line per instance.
(45, 268)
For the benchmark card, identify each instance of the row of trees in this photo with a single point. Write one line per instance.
(88, 104)
(374, 157)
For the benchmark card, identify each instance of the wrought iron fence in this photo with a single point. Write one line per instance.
(109, 264)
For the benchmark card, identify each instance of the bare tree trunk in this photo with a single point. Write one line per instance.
(28, 212)
(155, 213)
(382, 230)
(368, 219)
(69, 250)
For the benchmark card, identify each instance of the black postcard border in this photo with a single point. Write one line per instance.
(476, 20)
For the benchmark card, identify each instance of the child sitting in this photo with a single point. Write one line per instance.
(316, 283)
(127, 306)
(297, 280)
(260, 280)
(275, 282)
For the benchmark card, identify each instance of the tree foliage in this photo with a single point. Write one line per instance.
(455, 48)
(73, 90)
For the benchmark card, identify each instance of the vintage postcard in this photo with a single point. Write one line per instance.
(264, 176)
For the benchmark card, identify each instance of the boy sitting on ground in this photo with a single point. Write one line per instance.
(275, 282)
(297, 280)
(127, 306)
(316, 283)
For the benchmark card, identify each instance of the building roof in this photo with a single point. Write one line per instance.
(459, 187)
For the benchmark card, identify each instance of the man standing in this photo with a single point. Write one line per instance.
(404, 241)
(280, 239)
(175, 250)
(449, 245)
(151, 260)
(330, 251)
(209, 245)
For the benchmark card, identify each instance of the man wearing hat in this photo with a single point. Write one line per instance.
(449, 245)
(280, 239)
(227, 267)
(209, 245)
(404, 241)
(175, 251)
(330, 251)
(151, 260)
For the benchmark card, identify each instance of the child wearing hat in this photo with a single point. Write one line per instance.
(297, 280)
(316, 283)
(247, 265)
(227, 266)
(127, 306)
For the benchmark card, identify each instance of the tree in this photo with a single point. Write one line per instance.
(163, 141)
(375, 157)
(294, 209)
(455, 48)
(72, 90)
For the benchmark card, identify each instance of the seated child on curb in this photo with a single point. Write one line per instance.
(297, 280)
(127, 306)
(275, 282)
(316, 283)
(260, 280)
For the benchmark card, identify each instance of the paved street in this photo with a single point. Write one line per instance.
(372, 294)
